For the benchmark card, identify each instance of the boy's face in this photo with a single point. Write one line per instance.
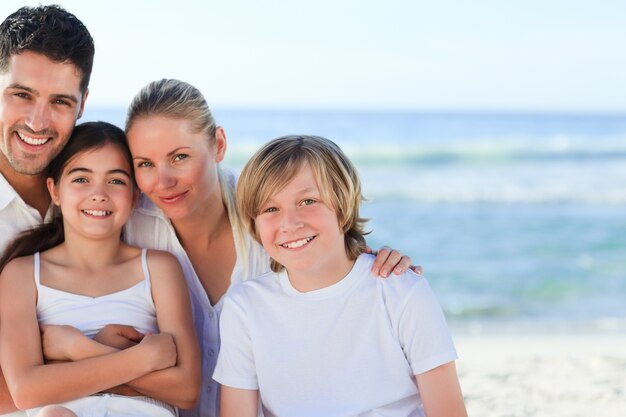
(39, 104)
(298, 230)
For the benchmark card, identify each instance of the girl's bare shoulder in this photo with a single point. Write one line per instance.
(18, 265)
(160, 260)
(19, 274)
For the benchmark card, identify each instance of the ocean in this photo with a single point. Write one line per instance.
(519, 220)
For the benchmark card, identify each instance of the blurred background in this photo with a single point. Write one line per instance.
(490, 136)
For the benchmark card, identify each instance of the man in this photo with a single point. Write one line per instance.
(46, 58)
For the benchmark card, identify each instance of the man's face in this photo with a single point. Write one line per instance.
(39, 104)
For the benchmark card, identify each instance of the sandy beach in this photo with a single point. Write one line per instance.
(543, 375)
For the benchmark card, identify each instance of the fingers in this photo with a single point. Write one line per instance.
(386, 260)
(402, 265)
(417, 269)
(131, 333)
(119, 336)
(125, 331)
(380, 260)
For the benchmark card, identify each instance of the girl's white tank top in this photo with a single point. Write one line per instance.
(132, 306)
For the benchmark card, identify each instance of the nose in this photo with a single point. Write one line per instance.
(291, 219)
(98, 194)
(39, 117)
(165, 178)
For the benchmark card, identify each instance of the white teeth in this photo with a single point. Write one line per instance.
(297, 243)
(98, 213)
(32, 141)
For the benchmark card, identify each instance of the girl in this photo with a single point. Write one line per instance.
(76, 271)
(319, 335)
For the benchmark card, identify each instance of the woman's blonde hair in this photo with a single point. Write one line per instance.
(176, 99)
(179, 100)
(272, 167)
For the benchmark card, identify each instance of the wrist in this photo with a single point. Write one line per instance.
(88, 349)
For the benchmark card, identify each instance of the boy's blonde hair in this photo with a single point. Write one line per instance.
(273, 166)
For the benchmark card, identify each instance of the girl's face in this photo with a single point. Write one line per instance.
(175, 166)
(95, 192)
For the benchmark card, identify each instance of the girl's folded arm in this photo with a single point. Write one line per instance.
(28, 378)
(6, 402)
(178, 385)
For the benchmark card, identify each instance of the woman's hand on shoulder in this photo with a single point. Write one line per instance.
(388, 259)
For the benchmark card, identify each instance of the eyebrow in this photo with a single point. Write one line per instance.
(112, 171)
(170, 153)
(69, 97)
(270, 199)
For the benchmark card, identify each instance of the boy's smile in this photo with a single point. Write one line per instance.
(296, 244)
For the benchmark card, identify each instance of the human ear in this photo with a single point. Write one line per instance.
(54, 191)
(82, 104)
(220, 144)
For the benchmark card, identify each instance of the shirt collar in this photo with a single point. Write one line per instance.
(7, 193)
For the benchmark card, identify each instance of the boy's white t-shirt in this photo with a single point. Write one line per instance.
(349, 349)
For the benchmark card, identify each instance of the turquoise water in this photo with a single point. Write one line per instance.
(553, 266)
(518, 220)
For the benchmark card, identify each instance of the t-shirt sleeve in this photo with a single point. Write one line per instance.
(235, 363)
(422, 330)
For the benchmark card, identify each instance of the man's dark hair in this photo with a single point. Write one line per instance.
(50, 31)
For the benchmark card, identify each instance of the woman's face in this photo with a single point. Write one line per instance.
(175, 166)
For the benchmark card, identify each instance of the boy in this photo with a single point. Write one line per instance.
(320, 335)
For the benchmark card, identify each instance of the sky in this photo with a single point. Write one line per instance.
(564, 56)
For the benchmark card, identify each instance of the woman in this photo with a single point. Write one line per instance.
(188, 208)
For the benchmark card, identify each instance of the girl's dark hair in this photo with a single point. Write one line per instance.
(85, 137)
